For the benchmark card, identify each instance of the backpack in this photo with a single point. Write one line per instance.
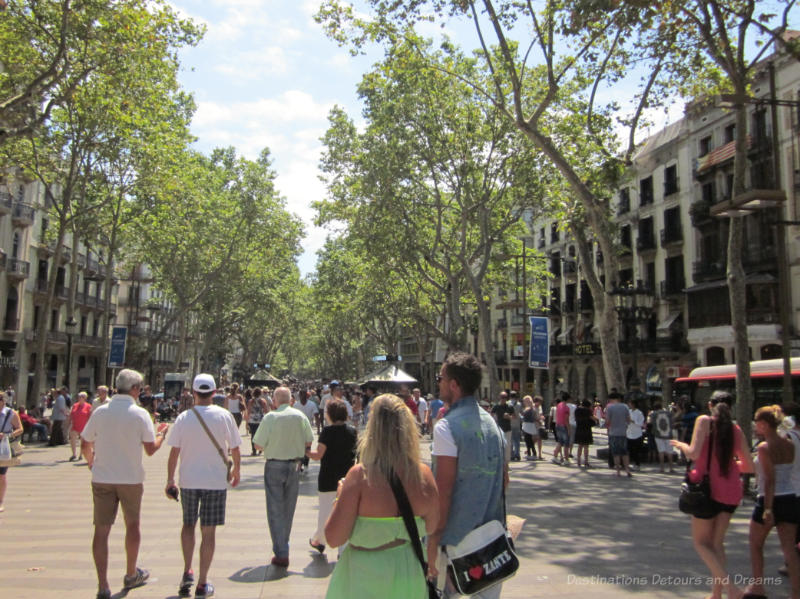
(663, 425)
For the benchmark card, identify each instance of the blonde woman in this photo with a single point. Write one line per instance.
(777, 462)
(379, 559)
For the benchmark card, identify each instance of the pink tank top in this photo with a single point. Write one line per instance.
(724, 489)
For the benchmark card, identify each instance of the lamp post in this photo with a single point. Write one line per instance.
(70, 326)
(634, 306)
(762, 199)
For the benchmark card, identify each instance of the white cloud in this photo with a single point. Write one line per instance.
(242, 67)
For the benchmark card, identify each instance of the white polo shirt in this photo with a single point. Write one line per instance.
(118, 429)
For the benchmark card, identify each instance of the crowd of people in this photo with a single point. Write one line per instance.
(367, 445)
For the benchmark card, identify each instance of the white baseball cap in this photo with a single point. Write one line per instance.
(203, 383)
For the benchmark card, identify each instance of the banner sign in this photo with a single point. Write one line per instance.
(119, 338)
(540, 342)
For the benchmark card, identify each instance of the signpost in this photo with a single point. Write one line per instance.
(116, 355)
(540, 342)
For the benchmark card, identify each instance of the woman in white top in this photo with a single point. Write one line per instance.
(235, 404)
(777, 463)
(635, 433)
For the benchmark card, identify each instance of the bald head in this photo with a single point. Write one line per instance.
(281, 395)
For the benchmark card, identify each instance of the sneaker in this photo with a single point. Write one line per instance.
(137, 580)
(204, 591)
(555, 461)
(185, 587)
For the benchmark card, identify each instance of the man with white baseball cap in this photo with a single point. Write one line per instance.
(202, 437)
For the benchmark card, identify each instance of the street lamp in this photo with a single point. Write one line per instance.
(761, 199)
(634, 306)
(70, 326)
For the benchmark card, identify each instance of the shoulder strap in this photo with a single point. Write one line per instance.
(710, 449)
(5, 421)
(210, 436)
(408, 519)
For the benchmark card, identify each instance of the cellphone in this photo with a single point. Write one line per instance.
(173, 492)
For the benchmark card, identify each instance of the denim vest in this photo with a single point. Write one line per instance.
(478, 490)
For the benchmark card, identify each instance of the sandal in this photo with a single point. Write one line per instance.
(137, 580)
(318, 546)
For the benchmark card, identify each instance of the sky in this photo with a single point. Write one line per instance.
(265, 75)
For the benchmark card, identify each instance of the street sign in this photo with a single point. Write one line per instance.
(119, 338)
(540, 342)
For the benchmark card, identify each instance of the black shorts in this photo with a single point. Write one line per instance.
(785, 508)
(716, 509)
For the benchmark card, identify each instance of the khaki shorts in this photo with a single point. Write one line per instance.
(106, 498)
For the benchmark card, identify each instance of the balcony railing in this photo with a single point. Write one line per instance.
(673, 286)
(671, 235)
(91, 264)
(6, 202)
(62, 292)
(645, 243)
(704, 270)
(17, 268)
(22, 214)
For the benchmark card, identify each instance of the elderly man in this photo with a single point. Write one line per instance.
(102, 397)
(284, 435)
(112, 445)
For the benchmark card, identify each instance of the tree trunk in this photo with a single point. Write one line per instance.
(737, 288)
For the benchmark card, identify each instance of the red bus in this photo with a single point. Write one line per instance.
(766, 375)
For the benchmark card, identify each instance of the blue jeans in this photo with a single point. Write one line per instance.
(516, 439)
(281, 483)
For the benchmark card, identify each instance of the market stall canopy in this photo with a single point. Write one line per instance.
(262, 378)
(390, 373)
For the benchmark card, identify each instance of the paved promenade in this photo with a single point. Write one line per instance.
(587, 534)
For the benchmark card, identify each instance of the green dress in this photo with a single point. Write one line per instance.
(387, 574)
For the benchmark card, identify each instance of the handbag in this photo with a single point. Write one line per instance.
(413, 533)
(483, 558)
(225, 459)
(695, 498)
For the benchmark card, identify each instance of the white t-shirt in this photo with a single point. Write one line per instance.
(572, 407)
(443, 442)
(635, 425)
(422, 409)
(310, 409)
(201, 466)
(118, 429)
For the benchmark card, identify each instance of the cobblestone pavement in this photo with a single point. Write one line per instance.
(587, 534)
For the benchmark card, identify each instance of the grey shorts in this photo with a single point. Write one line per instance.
(618, 445)
(209, 504)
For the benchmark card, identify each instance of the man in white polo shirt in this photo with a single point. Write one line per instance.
(112, 445)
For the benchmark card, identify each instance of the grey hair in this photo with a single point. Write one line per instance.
(127, 379)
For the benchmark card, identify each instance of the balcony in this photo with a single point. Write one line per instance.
(81, 260)
(500, 358)
(519, 353)
(11, 324)
(709, 270)
(40, 286)
(80, 298)
(6, 202)
(518, 320)
(645, 243)
(22, 214)
(88, 341)
(62, 293)
(66, 253)
(17, 269)
(502, 323)
(673, 286)
(91, 265)
(570, 267)
(670, 236)
(90, 301)
(52, 336)
(561, 349)
(760, 258)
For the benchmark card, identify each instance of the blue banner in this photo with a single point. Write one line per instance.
(116, 355)
(540, 342)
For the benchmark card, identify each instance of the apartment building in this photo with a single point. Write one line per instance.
(672, 245)
(26, 260)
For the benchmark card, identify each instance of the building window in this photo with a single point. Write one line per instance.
(624, 201)
(15, 246)
(730, 133)
(625, 237)
(708, 192)
(646, 240)
(646, 191)
(705, 146)
(554, 233)
(670, 180)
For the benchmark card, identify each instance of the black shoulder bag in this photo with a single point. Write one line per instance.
(411, 527)
(695, 498)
